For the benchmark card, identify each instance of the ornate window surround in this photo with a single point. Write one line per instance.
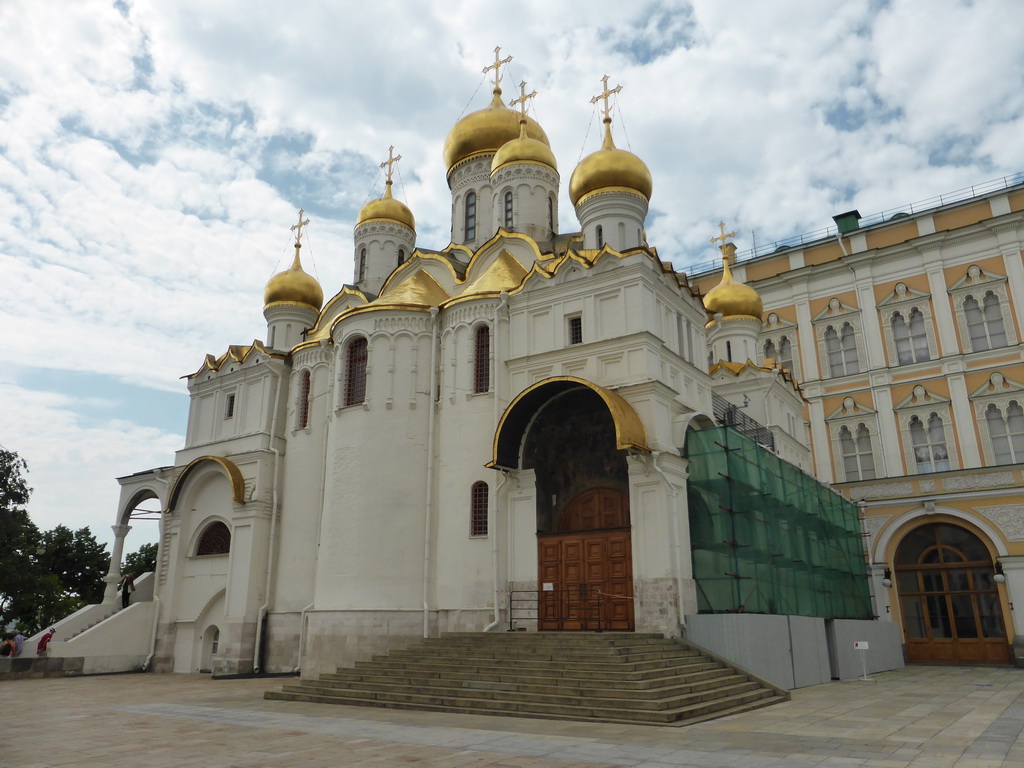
(904, 300)
(833, 316)
(977, 282)
(775, 329)
(852, 415)
(922, 403)
(1000, 391)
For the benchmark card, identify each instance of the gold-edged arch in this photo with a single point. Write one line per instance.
(232, 471)
(629, 429)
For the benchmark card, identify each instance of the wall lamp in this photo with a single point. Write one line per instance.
(887, 578)
(999, 577)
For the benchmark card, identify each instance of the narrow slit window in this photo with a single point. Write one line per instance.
(302, 412)
(576, 330)
(482, 360)
(478, 509)
(229, 407)
(355, 372)
(508, 210)
(471, 216)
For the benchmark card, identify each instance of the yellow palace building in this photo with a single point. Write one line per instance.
(904, 333)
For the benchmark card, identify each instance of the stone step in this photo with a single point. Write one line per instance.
(622, 684)
(667, 696)
(552, 667)
(547, 652)
(682, 716)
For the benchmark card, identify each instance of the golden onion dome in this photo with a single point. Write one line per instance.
(487, 130)
(294, 286)
(387, 208)
(731, 298)
(524, 150)
(610, 167)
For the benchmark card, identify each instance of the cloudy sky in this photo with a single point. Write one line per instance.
(153, 156)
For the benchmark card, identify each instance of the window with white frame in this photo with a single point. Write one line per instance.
(840, 343)
(907, 326)
(778, 343)
(854, 431)
(858, 456)
(924, 417)
(508, 210)
(928, 440)
(999, 409)
(982, 310)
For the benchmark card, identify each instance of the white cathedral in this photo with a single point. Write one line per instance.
(486, 437)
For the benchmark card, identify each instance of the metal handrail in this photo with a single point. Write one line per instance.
(525, 604)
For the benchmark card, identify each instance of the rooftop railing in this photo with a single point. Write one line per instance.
(910, 209)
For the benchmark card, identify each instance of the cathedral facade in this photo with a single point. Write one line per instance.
(493, 436)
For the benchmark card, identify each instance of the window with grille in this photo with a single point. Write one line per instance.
(575, 330)
(984, 322)
(229, 407)
(302, 411)
(858, 460)
(1006, 432)
(216, 540)
(355, 371)
(841, 348)
(482, 360)
(362, 265)
(508, 210)
(910, 338)
(929, 444)
(478, 509)
(471, 216)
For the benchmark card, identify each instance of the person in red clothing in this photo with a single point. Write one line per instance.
(45, 641)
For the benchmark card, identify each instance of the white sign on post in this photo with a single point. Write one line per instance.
(860, 645)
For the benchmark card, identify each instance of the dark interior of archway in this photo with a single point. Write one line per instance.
(571, 448)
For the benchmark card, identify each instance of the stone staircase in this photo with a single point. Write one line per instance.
(605, 677)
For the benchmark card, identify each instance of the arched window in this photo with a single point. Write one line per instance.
(842, 350)
(984, 323)
(471, 216)
(478, 509)
(216, 540)
(551, 214)
(929, 443)
(911, 339)
(769, 350)
(355, 371)
(728, 351)
(401, 257)
(302, 409)
(362, 265)
(482, 360)
(600, 236)
(1007, 434)
(785, 354)
(508, 210)
(858, 461)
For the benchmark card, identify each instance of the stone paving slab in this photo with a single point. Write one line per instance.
(920, 716)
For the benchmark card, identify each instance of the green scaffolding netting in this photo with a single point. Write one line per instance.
(766, 537)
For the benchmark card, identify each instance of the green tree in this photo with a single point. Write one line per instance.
(43, 576)
(143, 561)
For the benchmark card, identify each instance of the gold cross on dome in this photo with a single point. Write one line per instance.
(297, 228)
(390, 162)
(604, 95)
(523, 98)
(496, 66)
(723, 237)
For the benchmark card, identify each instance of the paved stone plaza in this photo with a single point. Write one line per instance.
(931, 717)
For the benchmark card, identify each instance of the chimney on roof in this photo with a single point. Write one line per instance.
(847, 222)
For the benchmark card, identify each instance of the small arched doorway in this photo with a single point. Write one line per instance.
(210, 645)
(948, 598)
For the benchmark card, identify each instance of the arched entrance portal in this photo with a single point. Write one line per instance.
(948, 597)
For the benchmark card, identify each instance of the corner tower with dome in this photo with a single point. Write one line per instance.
(441, 439)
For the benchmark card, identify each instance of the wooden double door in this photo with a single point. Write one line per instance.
(949, 599)
(586, 566)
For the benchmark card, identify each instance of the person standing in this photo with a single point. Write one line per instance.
(45, 641)
(127, 586)
(19, 642)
